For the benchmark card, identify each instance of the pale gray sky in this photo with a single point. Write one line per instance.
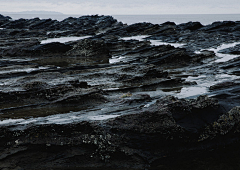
(112, 7)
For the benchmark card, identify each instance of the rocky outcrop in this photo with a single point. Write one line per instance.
(108, 103)
(226, 124)
(50, 49)
(224, 26)
(4, 18)
(190, 26)
(18, 48)
(225, 85)
(89, 48)
(129, 141)
(85, 25)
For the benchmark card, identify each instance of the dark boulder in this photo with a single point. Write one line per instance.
(50, 48)
(190, 26)
(89, 48)
(142, 28)
(105, 21)
(165, 31)
(4, 18)
(203, 55)
(156, 73)
(36, 85)
(193, 115)
(170, 115)
(87, 24)
(117, 47)
(176, 115)
(227, 123)
(166, 54)
(225, 26)
(132, 30)
(77, 84)
(168, 23)
(16, 24)
(19, 48)
(33, 47)
(42, 24)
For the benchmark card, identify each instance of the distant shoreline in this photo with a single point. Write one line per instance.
(34, 12)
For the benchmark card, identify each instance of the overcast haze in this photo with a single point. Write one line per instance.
(124, 6)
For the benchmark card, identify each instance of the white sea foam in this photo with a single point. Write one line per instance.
(11, 121)
(153, 42)
(222, 57)
(28, 70)
(116, 59)
(203, 84)
(59, 119)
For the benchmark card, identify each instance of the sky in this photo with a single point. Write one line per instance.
(115, 7)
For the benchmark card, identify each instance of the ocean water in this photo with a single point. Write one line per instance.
(205, 19)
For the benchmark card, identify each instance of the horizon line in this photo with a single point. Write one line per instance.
(60, 13)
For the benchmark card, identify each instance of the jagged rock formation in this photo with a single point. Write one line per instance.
(104, 102)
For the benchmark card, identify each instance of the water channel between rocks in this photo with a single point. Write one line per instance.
(222, 57)
(203, 81)
(202, 86)
(63, 39)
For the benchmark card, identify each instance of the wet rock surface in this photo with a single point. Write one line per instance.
(232, 50)
(110, 101)
(4, 18)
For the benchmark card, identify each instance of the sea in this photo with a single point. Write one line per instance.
(205, 19)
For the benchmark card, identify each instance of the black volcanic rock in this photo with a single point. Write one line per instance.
(190, 26)
(142, 28)
(4, 18)
(42, 24)
(15, 24)
(82, 25)
(168, 23)
(88, 48)
(54, 47)
(133, 29)
(86, 24)
(108, 103)
(159, 55)
(227, 123)
(18, 48)
(164, 129)
(35, 48)
(170, 114)
(119, 47)
(225, 26)
(76, 83)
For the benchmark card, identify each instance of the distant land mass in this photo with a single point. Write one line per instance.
(34, 12)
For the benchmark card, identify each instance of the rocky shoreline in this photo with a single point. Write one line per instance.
(117, 96)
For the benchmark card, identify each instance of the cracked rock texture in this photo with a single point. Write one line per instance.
(107, 103)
